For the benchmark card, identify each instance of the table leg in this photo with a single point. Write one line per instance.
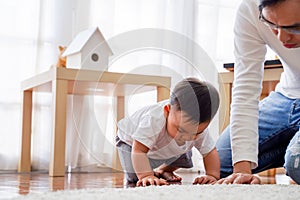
(24, 183)
(225, 99)
(58, 145)
(25, 157)
(162, 93)
(120, 107)
(57, 183)
(116, 165)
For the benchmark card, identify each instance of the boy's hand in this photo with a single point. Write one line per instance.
(205, 179)
(151, 180)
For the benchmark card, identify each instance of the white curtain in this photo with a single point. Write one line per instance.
(18, 41)
(32, 30)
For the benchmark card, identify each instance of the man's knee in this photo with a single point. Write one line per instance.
(292, 161)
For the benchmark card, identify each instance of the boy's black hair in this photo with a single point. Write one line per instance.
(267, 3)
(198, 99)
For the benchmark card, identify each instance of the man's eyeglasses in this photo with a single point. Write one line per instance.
(294, 29)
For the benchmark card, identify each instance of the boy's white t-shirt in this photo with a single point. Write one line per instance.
(148, 126)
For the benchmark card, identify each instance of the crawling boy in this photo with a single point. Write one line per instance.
(157, 139)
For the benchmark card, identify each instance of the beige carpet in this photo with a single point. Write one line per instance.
(179, 192)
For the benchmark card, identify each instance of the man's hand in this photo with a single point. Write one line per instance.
(240, 178)
(151, 180)
(241, 175)
(206, 179)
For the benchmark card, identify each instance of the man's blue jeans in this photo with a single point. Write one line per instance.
(279, 137)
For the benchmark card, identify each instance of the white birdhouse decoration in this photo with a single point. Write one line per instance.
(88, 50)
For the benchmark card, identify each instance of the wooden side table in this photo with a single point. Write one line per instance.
(271, 78)
(62, 82)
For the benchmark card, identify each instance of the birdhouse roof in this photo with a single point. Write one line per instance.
(82, 39)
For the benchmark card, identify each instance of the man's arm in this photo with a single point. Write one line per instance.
(242, 167)
(250, 53)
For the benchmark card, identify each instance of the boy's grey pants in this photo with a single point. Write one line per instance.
(124, 150)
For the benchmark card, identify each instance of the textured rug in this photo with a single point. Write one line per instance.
(181, 192)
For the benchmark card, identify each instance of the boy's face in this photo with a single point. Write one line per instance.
(180, 127)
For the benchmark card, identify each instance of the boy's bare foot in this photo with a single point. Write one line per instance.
(168, 176)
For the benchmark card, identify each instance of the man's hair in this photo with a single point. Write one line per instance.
(198, 99)
(267, 3)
